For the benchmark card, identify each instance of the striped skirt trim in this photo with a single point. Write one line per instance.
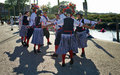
(37, 36)
(81, 39)
(23, 31)
(68, 42)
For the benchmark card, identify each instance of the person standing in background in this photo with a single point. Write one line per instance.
(30, 29)
(23, 30)
(20, 21)
(37, 38)
(11, 23)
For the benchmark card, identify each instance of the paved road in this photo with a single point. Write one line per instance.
(102, 58)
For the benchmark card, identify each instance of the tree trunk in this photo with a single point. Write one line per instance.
(58, 2)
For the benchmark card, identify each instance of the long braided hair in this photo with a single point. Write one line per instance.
(37, 19)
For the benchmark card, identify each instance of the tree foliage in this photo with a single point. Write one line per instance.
(18, 4)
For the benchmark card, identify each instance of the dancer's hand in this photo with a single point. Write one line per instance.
(92, 27)
(52, 24)
(44, 26)
(99, 21)
(28, 26)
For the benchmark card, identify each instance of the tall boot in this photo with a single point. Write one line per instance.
(63, 60)
(71, 57)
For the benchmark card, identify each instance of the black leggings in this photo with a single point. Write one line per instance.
(46, 33)
(58, 36)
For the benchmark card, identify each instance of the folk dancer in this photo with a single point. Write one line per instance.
(45, 30)
(20, 21)
(68, 41)
(31, 25)
(61, 15)
(38, 32)
(58, 34)
(23, 30)
(81, 33)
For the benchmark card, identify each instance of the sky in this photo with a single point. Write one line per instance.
(97, 6)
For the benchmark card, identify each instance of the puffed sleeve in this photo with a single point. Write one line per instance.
(43, 21)
(32, 19)
(89, 22)
(59, 22)
(62, 16)
(77, 23)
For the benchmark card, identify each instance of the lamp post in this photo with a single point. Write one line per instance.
(85, 7)
(58, 2)
(37, 2)
(117, 30)
(14, 14)
(30, 4)
(34, 1)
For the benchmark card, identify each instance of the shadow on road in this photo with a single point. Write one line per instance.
(81, 66)
(8, 39)
(28, 61)
(18, 41)
(100, 47)
(16, 32)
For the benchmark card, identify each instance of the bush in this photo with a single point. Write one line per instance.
(51, 16)
(112, 26)
(101, 25)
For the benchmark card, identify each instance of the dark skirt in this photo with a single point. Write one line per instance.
(23, 31)
(37, 36)
(81, 39)
(68, 42)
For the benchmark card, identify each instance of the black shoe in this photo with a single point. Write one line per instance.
(74, 54)
(49, 43)
(63, 65)
(39, 51)
(35, 50)
(27, 45)
(11, 29)
(83, 55)
(71, 61)
(41, 45)
(55, 55)
(22, 43)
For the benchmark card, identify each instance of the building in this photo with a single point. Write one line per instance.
(3, 11)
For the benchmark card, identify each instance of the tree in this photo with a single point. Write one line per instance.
(54, 9)
(44, 8)
(49, 7)
(9, 4)
(58, 2)
(64, 3)
(18, 4)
